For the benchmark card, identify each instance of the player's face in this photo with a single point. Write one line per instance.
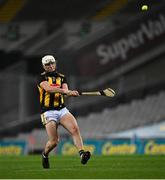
(50, 67)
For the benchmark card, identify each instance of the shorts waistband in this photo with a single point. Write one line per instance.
(44, 109)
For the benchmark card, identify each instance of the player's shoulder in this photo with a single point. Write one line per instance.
(42, 76)
(43, 73)
(61, 75)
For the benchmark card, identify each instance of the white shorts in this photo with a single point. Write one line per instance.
(53, 115)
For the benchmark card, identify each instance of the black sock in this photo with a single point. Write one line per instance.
(81, 152)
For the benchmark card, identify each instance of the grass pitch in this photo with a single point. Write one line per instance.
(69, 167)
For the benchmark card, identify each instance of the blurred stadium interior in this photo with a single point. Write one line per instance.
(98, 44)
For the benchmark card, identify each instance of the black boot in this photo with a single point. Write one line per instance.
(45, 161)
(85, 157)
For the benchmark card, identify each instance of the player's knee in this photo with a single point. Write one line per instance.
(74, 130)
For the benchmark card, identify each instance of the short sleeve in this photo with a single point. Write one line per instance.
(40, 79)
(64, 80)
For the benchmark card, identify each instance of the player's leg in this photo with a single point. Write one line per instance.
(69, 122)
(51, 129)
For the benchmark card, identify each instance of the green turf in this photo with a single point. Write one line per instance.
(120, 167)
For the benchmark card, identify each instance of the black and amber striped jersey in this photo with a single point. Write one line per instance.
(51, 101)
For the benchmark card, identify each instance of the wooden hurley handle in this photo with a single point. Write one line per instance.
(106, 92)
(96, 93)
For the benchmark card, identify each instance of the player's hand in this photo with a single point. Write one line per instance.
(74, 93)
(71, 93)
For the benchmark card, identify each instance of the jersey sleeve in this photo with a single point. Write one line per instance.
(64, 80)
(40, 79)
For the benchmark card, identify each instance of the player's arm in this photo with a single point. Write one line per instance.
(65, 86)
(71, 93)
(53, 89)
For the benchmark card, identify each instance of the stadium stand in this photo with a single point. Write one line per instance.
(135, 114)
(32, 34)
(109, 9)
(9, 9)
